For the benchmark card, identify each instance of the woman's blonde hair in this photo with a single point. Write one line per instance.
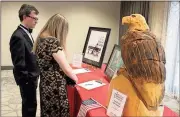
(56, 26)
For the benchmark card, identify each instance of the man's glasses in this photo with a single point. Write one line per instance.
(35, 18)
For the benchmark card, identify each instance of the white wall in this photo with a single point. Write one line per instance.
(80, 15)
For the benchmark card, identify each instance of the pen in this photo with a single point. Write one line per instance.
(99, 81)
(86, 69)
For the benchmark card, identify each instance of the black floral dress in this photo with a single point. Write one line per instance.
(53, 94)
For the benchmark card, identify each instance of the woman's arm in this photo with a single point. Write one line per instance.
(63, 63)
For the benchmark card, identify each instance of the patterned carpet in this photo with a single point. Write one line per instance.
(11, 101)
(10, 96)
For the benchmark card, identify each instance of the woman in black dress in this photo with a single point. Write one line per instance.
(50, 48)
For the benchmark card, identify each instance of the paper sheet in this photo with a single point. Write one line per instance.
(77, 60)
(79, 71)
(116, 104)
(91, 84)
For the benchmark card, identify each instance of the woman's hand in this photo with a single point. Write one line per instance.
(75, 79)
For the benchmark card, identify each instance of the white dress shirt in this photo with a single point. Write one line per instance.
(30, 36)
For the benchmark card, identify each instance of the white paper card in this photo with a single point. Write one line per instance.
(91, 84)
(116, 104)
(77, 60)
(79, 71)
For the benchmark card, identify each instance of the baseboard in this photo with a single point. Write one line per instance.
(6, 67)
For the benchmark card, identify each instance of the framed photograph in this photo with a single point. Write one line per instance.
(95, 46)
(115, 62)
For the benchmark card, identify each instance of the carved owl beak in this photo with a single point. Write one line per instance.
(126, 20)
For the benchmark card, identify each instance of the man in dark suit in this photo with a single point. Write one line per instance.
(26, 71)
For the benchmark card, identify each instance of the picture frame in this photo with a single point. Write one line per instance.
(114, 63)
(95, 46)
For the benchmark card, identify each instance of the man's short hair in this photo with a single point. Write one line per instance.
(26, 10)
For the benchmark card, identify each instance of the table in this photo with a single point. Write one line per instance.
(77, 94)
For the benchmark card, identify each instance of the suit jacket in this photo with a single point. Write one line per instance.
(24, 60)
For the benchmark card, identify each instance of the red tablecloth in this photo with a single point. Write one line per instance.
(169, 113)
(77, 94)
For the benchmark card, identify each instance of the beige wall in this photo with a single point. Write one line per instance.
(80, 15)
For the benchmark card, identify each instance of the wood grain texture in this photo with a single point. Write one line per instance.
(143, 56)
